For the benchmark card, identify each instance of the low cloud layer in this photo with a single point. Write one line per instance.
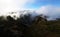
(49, 10)
(17, 5)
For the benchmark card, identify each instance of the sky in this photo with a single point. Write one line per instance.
(14, 5)
(47, 7)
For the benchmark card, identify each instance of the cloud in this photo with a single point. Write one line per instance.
(12, 5)
(49, 10)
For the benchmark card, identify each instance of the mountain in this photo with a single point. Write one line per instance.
(33, 14)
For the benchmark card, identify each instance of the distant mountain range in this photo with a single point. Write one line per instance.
(32, 12)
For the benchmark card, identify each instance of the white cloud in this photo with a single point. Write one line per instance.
(49, 10)
(12, 5)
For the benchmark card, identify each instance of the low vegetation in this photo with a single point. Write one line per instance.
(26, 27)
